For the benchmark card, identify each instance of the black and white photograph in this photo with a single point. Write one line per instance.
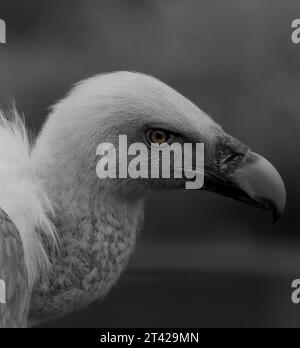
(149, 167)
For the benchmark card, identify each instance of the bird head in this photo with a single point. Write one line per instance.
(147, 111)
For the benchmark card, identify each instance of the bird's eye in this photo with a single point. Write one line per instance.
(157, 136)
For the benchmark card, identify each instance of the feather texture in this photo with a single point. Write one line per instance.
(13, 272)
(22, 195)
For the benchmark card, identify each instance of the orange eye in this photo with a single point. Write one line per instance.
(157, 136)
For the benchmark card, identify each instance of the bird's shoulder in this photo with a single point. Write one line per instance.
(14, 285)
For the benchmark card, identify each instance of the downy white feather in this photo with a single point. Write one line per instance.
(22, 196)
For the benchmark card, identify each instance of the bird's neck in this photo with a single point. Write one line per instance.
(97, 234)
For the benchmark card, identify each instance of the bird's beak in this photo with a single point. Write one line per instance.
(239, 173)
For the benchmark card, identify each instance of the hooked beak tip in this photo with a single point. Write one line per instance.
(263, 184)
(277, 214)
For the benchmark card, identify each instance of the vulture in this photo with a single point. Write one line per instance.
(65, 235)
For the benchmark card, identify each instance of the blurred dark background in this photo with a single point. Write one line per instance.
(202, 260)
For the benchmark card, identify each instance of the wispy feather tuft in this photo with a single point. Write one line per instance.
(22, 195)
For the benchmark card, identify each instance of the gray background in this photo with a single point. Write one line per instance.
(202, 260)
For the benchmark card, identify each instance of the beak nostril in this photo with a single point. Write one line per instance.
(230, 153)
(235, 158)
(230, 162)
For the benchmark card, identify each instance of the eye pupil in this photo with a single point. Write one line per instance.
(158, 137)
